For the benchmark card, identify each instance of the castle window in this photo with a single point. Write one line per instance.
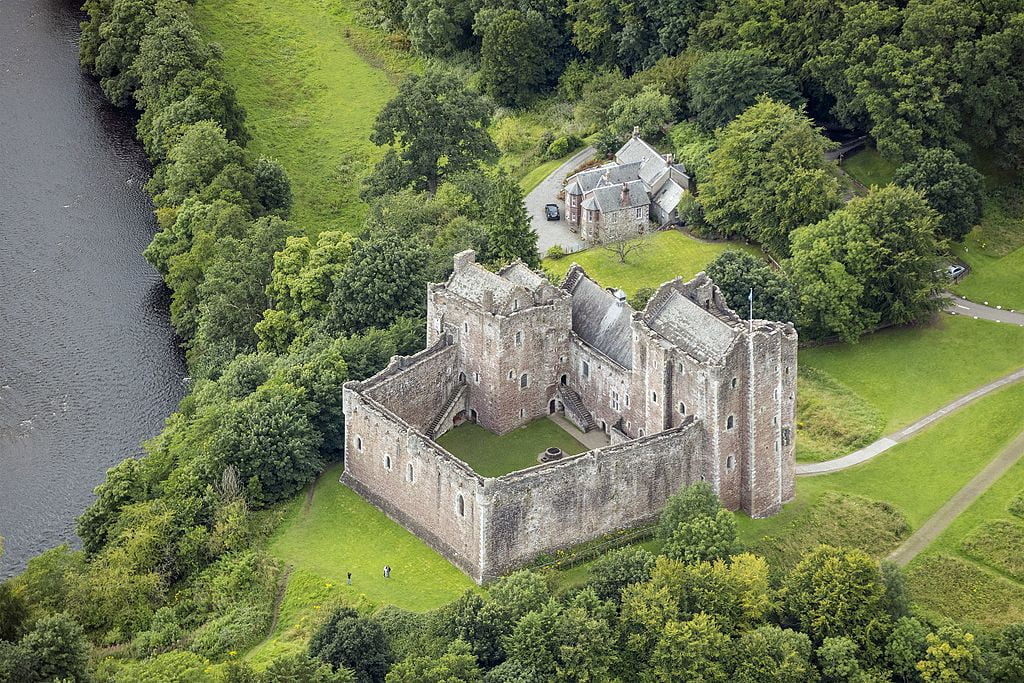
(359, 443)
(476, 377)
(465, 328)
(627, 400)
(730, 463)
(519, 338)
(585, 369)
(615, 400)
(642, 433)
(729, 422)
(522, 412)
(654, 396)
(524, 381)
(515, 304)
(787, 369)
(410, 475)
(785, 436)
(776, 446)
(775, 421)
(775, 394)
(733, 382)
(387, 462)
(460, 506)
(682, 408)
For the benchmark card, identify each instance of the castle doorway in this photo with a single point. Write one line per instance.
(564, 380)
(555, 406)
(472, 414)
(462, 378)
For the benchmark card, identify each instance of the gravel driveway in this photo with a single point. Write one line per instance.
(550, 233)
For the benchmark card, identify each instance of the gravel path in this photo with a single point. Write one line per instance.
(963, 498)
(550, 233)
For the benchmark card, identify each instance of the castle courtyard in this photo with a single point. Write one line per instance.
(491, 455)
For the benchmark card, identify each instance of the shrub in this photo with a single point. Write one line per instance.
(353, 641)
(641, 297)
(556, 252)
(562, 146)
(1016, 505)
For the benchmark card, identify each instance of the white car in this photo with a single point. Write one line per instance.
(955, 271)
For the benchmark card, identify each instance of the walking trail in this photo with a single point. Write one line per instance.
(960, 501)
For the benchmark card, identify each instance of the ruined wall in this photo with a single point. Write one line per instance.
(414, 481)
(564, 503)
(416, 387)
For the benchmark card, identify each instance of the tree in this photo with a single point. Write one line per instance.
(619, 568)
(738, 272)
(767, 176)
(951, 656)
(623, 249)
(438, 127)
(356, 642)
(269, 438)
(57, 649)
(456, 665)
(834, 593)
(273, 189)
(121, 36)
(649, 110)
(724, 84)
(770, 654)
(703, 538)
(516, 54)
(838, 659)
(950, 186)
(511, 234)
(121, 486)
(438, 27)
(906, 647)
(691, 650)
(881, 249)
(691, 502)
(384, 279)
(301, 668)
(202, 155)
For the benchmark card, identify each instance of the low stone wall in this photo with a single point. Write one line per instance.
(560, 504)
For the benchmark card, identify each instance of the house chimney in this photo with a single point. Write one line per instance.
(464, 258)
(670, 158)
(624, 199)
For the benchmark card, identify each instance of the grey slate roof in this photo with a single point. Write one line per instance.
(636, 150)
(609, 197)
(602, 321)
(669, 196)
(690, 327)
(520, 274)
(610, 173)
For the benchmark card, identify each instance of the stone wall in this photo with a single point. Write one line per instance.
(561, 504)
(416, 387)
(622, 225)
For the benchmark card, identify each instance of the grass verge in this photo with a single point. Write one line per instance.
(831, 419)
(666, 255)
(312, 82)
(491, 455)
(868, 167)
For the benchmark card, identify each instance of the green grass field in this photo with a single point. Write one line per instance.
(831, 419)
(312, 82)
(906, 373)
(916, 478)
(667, 254)
(492, 455)
(869, 168)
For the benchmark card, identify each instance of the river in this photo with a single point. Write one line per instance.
(89, 365)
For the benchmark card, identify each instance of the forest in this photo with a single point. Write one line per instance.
(173, 580)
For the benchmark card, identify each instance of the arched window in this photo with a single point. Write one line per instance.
(524, 380)
(387, 462)
(410, 474)
(729, 422)
(730, 462)
(733, 382)
(682, 408)
(460, 506)
(359, 443)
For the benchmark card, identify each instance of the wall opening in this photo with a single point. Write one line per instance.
(462, 378)
(410, 474)
(359, 443)
(564, 380)
(729, 422)
(730, 462)
(460, 506)
(387, 462)
(472, 414)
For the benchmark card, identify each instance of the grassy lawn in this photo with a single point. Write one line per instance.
(492, 455)
(914, 478)
(312, 82)
(869, 168)
(534, 177)
(667, 255)
(831, 419)
(906, 373)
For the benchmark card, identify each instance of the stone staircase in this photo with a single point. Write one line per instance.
(571, 279)
(457, 394)
(574, 406)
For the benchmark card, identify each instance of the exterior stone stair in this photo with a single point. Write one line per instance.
(575, 409)
(570, 281)
(457, 394)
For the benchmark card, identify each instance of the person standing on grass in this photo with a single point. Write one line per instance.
(350, 578)
(387, 571)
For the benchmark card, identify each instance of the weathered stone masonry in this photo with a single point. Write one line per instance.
(685, 390)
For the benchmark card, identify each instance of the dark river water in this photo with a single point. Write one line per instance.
(89, 366)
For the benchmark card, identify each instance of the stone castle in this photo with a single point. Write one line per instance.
(680, 392)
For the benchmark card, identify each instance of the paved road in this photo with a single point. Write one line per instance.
(550, 233)
(887, 442)
(961, 306)
(963, 498)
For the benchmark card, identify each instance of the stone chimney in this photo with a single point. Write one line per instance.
(463, 259)
(487, 300)
(624, 199)
(670, 158)
(636, 131)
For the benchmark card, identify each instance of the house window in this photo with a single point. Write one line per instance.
(682, 408)
(585, 369)
(410, 475)
(640, 212)
(387, 462)
(359, 443)
(460, 506)
(729, 422)
(524, 381)
(615, 400)
(730, 462)
(519, 338)
(733, 382)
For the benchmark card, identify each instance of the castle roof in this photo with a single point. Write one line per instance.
(599, 318)
(688, 326)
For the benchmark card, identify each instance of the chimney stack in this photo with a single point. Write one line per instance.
(487, 300)
(624, 199)
(636, 131)
(670, 158)
(463, 259)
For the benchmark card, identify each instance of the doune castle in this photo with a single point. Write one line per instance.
(682, 391)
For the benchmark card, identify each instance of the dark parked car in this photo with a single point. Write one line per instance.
(551, 211)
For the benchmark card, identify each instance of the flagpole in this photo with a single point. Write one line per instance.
(750, 319)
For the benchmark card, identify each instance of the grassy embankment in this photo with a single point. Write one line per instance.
(312, 82)
(995, 249)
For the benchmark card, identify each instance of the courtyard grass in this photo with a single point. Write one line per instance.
(906, 373)
(491, 455)
(666, 255)
(311, 81)
(868, 167)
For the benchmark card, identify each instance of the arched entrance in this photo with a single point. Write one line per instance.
(564, 380)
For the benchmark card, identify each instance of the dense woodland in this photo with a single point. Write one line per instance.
(172, 575)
